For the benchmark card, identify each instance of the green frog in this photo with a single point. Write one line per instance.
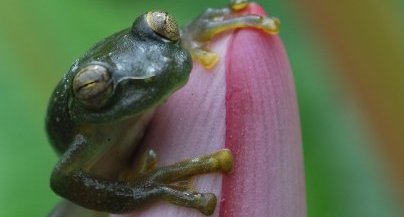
(99, 111)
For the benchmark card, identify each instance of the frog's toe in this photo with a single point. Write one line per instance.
(271, 25)
(207, 203)
(237, 5)
(208, 59)
(225, 160)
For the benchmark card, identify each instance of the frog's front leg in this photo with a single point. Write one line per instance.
(197, 35)
(73, 178)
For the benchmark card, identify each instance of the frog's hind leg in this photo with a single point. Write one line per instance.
(197, 35)
(267, 24)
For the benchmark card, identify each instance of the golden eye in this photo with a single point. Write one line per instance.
(92, 86)
(163, 24)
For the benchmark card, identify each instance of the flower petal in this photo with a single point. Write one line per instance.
(262, 129)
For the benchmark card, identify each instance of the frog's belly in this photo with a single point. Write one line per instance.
(118, 144)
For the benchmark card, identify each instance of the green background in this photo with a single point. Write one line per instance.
(40, 39)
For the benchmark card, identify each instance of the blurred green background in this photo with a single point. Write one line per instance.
(345, 172)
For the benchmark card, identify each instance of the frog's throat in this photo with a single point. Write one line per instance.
(115, 144)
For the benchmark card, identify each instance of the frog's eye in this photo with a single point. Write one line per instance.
(92, 86)
(163, 24)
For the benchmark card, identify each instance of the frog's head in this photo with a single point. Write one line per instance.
(130, 71)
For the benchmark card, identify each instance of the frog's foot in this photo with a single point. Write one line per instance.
(173, 182)
(197, 35)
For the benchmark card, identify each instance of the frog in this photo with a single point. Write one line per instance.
(100, 110)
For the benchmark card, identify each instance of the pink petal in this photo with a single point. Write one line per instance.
(262, 130)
